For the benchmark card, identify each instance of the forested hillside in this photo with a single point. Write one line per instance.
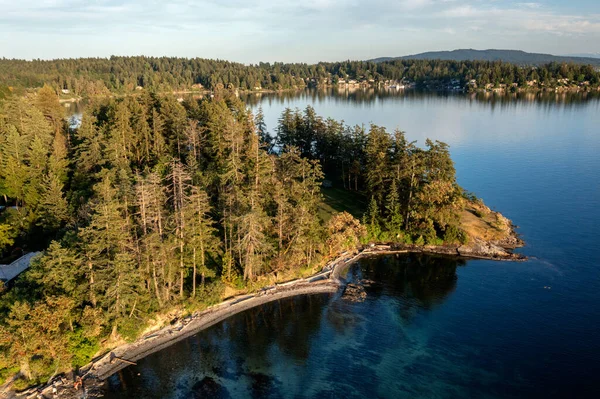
(513, 56)
(152, 205)
(90, 77)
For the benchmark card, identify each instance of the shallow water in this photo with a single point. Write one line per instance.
(431, 327)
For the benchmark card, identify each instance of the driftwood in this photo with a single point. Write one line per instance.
(113, 357)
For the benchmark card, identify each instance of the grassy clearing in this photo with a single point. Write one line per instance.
(338, 200)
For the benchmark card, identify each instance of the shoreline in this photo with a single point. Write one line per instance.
(329, 280)
(462, 90)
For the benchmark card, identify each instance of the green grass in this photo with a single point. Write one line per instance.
(338, 200)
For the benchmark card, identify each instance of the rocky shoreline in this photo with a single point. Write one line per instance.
(329, 280)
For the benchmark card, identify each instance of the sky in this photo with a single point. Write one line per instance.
(250, 31)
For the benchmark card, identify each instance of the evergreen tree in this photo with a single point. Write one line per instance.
(377, 162)
(54, 208)
(203, 240)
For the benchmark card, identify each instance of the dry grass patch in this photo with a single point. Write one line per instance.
(479, 221)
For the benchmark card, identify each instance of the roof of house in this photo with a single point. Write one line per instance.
(8, 272)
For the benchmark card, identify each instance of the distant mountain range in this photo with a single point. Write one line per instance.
(512, 56)
(584, 55)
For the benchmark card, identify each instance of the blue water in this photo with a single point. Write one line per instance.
(434, 327)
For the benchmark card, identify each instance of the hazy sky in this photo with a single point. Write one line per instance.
(287, 30)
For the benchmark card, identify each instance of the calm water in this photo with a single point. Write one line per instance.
(432, 327)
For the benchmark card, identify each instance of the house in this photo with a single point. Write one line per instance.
(65, 91)
(8, 272)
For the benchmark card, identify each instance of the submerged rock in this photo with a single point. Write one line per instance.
(354, 293)
(366, 282)
(209, 388)
(264, 386)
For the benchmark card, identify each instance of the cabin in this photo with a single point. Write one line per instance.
(65, 91)
(9, 272)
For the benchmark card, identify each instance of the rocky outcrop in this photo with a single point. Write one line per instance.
(487, 250)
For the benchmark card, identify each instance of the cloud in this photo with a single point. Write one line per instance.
(529, 5)
(460, 12)
(524, 17)
(288, 29)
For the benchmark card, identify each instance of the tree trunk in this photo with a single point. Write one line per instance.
(194, 275)
(181, 271)
(410, 194)
(156, 290)
(202, 262)
(92, 288)
(113, 334)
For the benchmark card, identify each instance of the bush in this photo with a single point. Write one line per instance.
(455, 235)
(8, 372)
(207, 295)
(82, 347)
(130, 328)
(469, 196)
(344, 232)
(478, 213)
(434, 241)
(230, 274)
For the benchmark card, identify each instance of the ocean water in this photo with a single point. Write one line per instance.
(432, 327)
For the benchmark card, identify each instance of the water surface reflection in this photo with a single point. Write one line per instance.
(295, 347)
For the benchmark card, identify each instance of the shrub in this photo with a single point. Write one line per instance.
(455, 235)
(344, 232)
(434, 241)
(420, 241)
(82, 347)
(130, 328)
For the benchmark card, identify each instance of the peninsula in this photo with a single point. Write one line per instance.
(155, 211)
